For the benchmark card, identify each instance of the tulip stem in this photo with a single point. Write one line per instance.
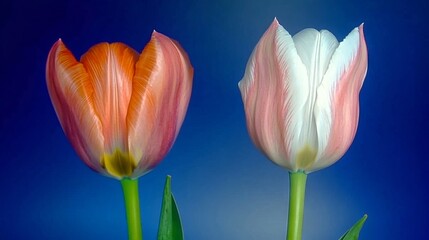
(130, 188)
(296, 205)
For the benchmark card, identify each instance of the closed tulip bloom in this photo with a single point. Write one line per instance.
(301, 95)
(121, 110)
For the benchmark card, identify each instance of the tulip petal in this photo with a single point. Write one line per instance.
(274, 91)
(337, 103)
(315, 50)
(111, 69)
(71, 93)
(160, 96)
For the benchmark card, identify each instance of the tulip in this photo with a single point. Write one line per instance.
(301, 97)
(121, 111)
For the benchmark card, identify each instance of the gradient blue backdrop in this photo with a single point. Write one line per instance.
(225, 188)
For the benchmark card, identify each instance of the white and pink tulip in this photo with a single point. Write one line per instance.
(301, 95)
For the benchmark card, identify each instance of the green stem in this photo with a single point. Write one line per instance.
(130, 188)
(296, 205)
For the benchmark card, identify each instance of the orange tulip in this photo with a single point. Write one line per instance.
(120, 110)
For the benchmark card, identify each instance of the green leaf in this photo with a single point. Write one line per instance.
(170, 226)
(353, 232)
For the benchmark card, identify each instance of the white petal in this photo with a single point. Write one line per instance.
(315, 49)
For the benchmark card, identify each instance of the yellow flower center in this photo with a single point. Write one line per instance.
(306, 157)
(118, 164)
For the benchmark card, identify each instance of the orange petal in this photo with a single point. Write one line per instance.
(71, 94)
(111, 69)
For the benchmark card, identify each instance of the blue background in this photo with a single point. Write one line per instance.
(225, 188)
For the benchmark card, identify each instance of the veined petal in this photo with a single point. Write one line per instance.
(337, 103)
(274, 91)
(71, 93)
(110, 70)
(160, 96)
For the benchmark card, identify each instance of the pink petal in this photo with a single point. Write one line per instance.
(274, 91)
(71, 93)
(160, 96)
(337, 110)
